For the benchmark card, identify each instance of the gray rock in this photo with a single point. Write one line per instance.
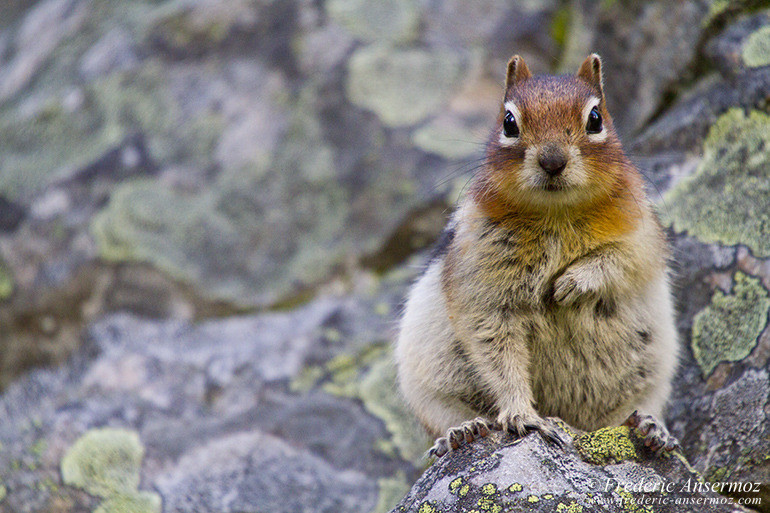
(256, 472)
(43, 28)
(215, 411)
(495, 474)
(115, 51)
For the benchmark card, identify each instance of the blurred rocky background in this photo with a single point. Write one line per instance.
(210, 211)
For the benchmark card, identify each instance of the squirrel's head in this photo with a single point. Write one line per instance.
(554, 143)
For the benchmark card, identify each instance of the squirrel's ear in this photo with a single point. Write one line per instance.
(517, 71)
(591, 71)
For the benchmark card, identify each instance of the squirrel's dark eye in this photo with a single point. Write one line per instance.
(594, 123)
(510, 128)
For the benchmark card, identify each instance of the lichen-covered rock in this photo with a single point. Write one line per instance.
(377, 20)
(403, 87)
(729, 328)
(183, 27)
(104, 462)
(183, 160)
(756, 50)
(497, 475)
(6, 281)
(607, 445)
(708, 156)
(278, 412)
(727, 199)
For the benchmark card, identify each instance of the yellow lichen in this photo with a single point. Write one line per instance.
(606, 445)
(489, 489)
(427, 507)
(728, 328)
(572, 507)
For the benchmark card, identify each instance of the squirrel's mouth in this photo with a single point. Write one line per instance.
(554, 185)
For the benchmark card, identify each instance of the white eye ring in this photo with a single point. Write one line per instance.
(514, 110)
(593, 102)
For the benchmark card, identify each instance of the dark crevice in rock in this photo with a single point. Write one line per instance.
(419, 230)
(702, 64)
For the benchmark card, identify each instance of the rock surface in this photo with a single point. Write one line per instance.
(210, 212)
(274, 412)
(499, 475)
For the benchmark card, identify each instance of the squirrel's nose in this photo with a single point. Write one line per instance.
(552, 159)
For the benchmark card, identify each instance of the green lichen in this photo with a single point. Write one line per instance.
(235, 240)
(533, 498)
(401, 86)
(370, 376)
(455, 485)
(449, 140)
(177, 26)
(488, 504)
(141, 502)
(6, 281)
(377, 20)
(379, 393)
(515, 487)
(756, 49)
(719, 10)
(560, 24)
(489, 489)
(38, 448)
(427, 507)
(606, 445)
(729, 327)
(629, 503)
(105, 463)
(727, 199)
(566, 428)
(464, 490)
(391, 491)
(306, 379)
(572, 507)
(61, 134)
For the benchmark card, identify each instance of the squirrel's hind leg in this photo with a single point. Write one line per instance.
(655, 434)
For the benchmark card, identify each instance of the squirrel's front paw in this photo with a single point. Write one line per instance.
(574, 284)
(519, 424)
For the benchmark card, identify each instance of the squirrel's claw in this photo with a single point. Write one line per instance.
(655, 434)
(466, 432)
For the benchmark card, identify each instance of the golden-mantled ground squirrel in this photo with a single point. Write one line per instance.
(547, 294)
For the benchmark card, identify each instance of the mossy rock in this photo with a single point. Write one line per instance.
(728, 328)
(727, 199)
(104, 462)
(402, 86)
(377, 20)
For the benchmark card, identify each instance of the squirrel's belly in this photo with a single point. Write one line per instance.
(589, 361)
